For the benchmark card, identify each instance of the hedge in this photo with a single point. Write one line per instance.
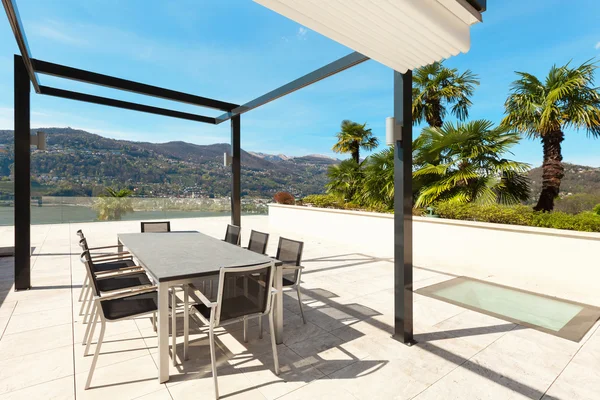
(520, 215)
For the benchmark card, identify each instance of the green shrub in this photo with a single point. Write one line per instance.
(323, 201)
(515, 215)
(585, 221)
(520, 215)
(596, 209)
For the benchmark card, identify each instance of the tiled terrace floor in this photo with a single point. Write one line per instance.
(344, 351)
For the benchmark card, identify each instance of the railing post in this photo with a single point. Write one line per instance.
(236, 171)
(403, 232)
(22, 177)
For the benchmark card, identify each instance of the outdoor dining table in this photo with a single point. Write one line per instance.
(177, 259)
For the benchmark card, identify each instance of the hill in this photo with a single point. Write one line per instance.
(77, 162)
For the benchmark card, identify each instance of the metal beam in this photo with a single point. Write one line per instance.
(479, 5)
(403, 232)
(67, 94)
(22, 168)
(236, 171)
(62, 71)
(328, 70)
(17, 27)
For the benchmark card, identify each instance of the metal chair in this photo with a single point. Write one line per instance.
(156, 226)
(115, 307)
(115, 283)
(232, 234)
(258, 242)
(289, 252)
(103, 265)
(244, 292)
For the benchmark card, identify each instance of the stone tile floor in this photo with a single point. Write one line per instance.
(345, 351)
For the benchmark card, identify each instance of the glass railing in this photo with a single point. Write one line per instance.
(57, 210)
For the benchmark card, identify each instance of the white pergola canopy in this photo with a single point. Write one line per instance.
(401, 34)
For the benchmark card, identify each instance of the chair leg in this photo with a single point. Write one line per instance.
(93, 366)
(154, 321)
(85, 299)
(186, 322)
(245, 329)
(273, 342)
(87, 329)
(174, 326)
(88, 308)
(300, 303)
(83, 286)
(213, 361)
(90, 338)
(260, 327)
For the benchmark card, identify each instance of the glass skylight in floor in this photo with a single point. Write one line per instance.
(552, 315)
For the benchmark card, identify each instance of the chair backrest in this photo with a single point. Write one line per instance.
(258, 242)
(289, 252)
(156, 226)
(232, 234)
(244, 291)
(83, 244)
(86, 258)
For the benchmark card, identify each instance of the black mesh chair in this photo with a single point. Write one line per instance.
(289, 252)
(108, 284)
(156, 226)
(258, 242)
(243, 293)
(103, 264)
(115, 307)
(232, 234)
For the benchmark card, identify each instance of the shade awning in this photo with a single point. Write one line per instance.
(401, 34)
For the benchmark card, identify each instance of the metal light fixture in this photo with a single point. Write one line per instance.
(39, 140)
(393, 133)
(227, 159)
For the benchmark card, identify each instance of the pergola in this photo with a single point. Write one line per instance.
(401, 34)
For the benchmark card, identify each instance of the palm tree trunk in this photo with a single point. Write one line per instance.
(552, 170)
(356, 155)
(435, 120)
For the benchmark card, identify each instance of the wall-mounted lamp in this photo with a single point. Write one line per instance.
(39, 140)
(393, 132)
(227, 159)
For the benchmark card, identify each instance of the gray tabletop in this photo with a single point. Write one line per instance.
(184, 255)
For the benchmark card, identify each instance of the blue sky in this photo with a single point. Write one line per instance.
(235, 50)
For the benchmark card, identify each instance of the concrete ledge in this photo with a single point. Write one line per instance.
(560, 263)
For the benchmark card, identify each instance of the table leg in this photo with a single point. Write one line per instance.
(163, 332)
(279, 305)
(186, 321)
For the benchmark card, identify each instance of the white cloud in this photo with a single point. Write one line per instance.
(302, 31)
(597, 46)
(57, 32)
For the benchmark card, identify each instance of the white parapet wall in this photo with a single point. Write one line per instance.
(551, 261)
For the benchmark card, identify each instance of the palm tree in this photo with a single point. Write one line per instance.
(353, 137)
(463, 163)
(345, 179)
(378, 187)
(566, 99)
(436, 87)
(113, 204)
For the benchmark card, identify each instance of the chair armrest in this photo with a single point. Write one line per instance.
(123, 273)
(129, 293)
(120, 271)
(203, 298)
(105, 247)
(112, 255)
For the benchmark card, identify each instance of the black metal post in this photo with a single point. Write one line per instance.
(22, 176)
(236, 171)
(403, 233)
